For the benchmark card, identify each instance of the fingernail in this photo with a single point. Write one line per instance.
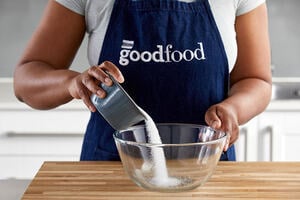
(107, 80)
(100, 94)
(226, 147)
(92, 109)
(121, 79)
(215, 124)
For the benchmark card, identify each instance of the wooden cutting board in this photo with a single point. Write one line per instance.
(107, 180)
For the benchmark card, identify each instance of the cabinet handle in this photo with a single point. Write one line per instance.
(297, 93)
(29, 134)
(270, 130)
(244, 131)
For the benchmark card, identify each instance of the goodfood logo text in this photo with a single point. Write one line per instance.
(164, 54)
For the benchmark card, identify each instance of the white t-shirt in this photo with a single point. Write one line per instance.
(97, 14)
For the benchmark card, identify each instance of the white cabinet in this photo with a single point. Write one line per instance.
(246, 141)
(273, 135)
(29, 137)
(279, 136)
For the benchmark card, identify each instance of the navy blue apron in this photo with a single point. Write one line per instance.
(174, 63)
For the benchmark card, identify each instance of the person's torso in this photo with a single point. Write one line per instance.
(98, 13)
(173, 60)
(171, 55)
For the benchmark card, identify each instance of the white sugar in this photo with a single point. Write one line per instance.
(159, 166)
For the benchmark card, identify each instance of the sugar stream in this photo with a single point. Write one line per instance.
(161, 176)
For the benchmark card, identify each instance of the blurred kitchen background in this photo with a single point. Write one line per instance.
(29, 137)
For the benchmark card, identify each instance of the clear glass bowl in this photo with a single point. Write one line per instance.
(184, 160)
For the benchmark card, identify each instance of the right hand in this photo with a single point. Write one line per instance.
(86, 83)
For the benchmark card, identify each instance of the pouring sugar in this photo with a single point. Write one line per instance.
(158, 164)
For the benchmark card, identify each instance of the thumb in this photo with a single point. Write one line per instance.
(212, 119)
(216, 124)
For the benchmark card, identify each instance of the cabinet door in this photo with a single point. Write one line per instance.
(29, 137)
(246, 141)
(279, 136)
(21, 155)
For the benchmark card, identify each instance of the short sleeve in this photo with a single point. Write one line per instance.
(245, 6)
(77, 6)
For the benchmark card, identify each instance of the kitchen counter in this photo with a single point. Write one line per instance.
(107, 180)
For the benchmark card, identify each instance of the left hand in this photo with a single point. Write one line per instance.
(223, 117)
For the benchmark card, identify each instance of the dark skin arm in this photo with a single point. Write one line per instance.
(42, 78)
(250, 80)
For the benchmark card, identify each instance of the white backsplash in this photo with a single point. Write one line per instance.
(19, 18)
(7, 92)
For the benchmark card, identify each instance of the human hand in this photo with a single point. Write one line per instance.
(86, 83)
(223, 117)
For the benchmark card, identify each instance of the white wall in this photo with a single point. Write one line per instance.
(18, 20)
(284, 24)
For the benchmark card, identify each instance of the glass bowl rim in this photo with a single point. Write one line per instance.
(144, 144)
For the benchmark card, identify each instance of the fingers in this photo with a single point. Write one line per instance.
(92, 79)
(98, 74)
(212, 119)
(113, 70)
(85, 97)
(222, 117)
(89, 81)
(78, 91)
(227, 143)
(226, 127)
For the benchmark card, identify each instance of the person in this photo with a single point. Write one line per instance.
(182, 61)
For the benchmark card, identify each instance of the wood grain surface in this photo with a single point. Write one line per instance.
(107, 180)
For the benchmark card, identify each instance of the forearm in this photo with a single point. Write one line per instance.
(41, 86)
(249, 97)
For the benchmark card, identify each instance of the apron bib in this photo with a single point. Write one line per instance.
(174, 63)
